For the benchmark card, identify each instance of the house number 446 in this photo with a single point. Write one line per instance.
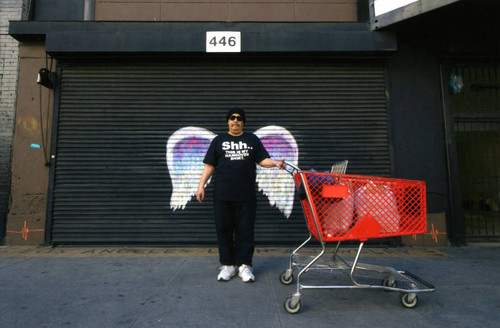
(223, 42)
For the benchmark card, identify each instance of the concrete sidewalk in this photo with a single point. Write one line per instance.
(175, 287)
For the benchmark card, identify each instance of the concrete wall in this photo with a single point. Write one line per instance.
(9, 61)
(26, 218)
(59, 10)
(424, 44)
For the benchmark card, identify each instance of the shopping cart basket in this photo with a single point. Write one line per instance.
(339, 207)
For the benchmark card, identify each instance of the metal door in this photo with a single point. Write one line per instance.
(475, 109)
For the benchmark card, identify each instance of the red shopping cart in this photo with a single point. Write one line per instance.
(339, 207)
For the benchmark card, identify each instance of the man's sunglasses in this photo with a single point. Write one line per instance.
(233, 117)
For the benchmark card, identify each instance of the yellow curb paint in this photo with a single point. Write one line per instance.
(20, 252)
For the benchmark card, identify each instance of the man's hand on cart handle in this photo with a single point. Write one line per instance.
(270, 163)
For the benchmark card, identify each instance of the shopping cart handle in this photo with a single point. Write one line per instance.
(291, 168)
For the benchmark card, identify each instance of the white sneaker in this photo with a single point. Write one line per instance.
(245, 273)
(226, 273)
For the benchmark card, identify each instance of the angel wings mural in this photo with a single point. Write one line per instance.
(187, 147)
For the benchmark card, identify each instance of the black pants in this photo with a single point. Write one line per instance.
(234, 222)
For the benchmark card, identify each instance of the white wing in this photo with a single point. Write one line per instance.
(186, 149)
(278, 185)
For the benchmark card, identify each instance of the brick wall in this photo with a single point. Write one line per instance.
(9, 63)
(227, 10)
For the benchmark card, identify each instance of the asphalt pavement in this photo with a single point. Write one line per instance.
(177, 287)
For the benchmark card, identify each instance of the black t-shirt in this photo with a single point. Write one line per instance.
(234, 160)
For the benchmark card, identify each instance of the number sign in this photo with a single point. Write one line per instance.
(223, 41)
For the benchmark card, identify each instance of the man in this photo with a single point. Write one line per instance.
(232, 156)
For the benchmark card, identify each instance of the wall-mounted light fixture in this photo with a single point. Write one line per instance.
(45, 78)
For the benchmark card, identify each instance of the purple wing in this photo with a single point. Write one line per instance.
(278, 185)
(185, 151)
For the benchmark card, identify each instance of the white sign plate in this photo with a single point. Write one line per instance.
(223, 41)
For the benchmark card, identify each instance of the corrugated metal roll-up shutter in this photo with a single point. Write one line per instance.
(111, 181)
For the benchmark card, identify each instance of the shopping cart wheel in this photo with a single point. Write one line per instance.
(288, 305)
(389, 283)
(284, 279)
(409, 300)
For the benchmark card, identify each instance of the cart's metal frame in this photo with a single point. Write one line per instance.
(388, 276)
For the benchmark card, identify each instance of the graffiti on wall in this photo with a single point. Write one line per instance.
(25, 231)
(186, 149)
(433, 233)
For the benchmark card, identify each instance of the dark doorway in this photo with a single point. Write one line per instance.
(475, 108)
